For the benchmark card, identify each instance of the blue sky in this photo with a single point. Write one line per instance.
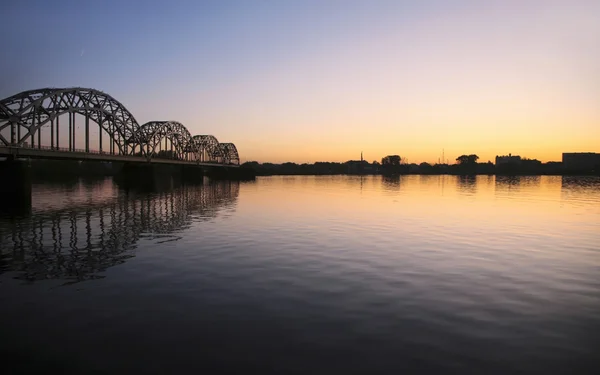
(323, 80)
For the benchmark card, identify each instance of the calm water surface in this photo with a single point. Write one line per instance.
(418, 274)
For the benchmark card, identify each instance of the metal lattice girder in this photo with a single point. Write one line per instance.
(152, 134)
(209, 147)
(229, 153)
(33, 109)
(30, 110)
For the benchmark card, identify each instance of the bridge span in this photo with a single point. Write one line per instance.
(32, 120)
(89, 125)
(65, 154)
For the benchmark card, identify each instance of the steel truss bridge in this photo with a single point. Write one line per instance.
(31, 126)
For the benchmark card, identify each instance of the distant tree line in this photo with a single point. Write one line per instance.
(395, 165)
(389, 165)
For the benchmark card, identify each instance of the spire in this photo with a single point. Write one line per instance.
(361, 158)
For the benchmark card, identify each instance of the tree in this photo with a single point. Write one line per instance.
(467, 159)
(391, 160)
(251, 164)
(392, 165)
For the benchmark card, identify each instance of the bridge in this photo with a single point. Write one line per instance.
(85, 124)
(30, 127)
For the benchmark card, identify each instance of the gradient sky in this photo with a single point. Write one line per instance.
(323, 80)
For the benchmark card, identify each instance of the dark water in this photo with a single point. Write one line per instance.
(306, 275)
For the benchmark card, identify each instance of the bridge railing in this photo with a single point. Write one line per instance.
(63, 149)
(83, 151)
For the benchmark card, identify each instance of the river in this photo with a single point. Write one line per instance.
(307, 275)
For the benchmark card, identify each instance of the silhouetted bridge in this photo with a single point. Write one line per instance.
(89, 125)
(30, 127)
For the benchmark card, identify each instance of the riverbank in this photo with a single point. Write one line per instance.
(364, 168)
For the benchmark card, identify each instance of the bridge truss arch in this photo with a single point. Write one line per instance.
(32, 119)
(229, 153)
(27, 112)
(177, 140)
(209, 148)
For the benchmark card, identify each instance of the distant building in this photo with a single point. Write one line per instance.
(510, 159)
(530, 163)
(359, 166)
(581, 160)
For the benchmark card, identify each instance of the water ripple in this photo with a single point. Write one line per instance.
(308, 275)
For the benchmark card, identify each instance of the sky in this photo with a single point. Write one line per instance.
(323, 80)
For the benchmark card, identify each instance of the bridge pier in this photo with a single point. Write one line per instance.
(155, 176)
(193, 174)
(147, 176)
(230, 173)
(15, 186)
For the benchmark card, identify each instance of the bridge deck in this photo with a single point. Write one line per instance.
(61, 154)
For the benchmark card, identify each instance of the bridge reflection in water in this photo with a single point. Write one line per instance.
(79, 242)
